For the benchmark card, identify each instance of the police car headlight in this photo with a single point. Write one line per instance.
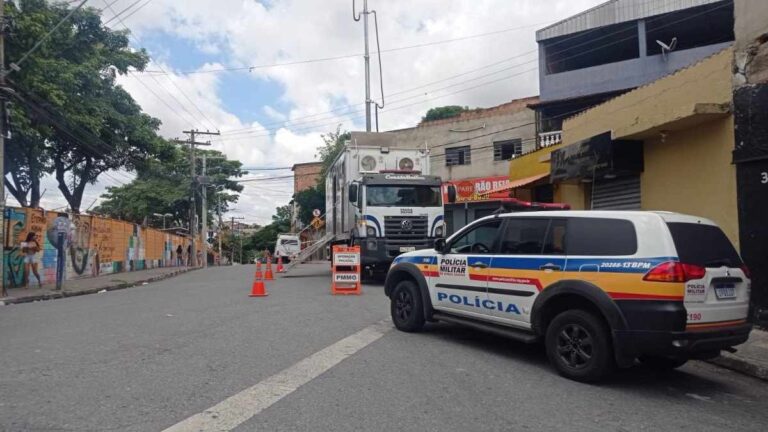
(370, 231)
(439, 231)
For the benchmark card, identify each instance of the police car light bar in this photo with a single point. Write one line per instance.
(400, 171)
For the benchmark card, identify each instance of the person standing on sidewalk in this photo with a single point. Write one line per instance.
(179, 252)
(30, 248)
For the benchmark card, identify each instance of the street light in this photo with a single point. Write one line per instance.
(162, 216)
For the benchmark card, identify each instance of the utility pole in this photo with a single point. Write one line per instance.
(192, 205)
(232, 231)
(218, 230)
(204, 210)
(367, 57)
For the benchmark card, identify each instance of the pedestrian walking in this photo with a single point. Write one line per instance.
(189, 255)
(30, 247)
(179, 252)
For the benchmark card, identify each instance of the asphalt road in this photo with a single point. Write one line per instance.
(150, 357)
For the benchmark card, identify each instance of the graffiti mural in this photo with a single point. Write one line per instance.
(93, 246)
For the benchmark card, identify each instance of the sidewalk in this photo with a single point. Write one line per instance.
(751, 357)
(77, 287)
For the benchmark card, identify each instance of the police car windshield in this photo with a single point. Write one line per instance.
(403, 196)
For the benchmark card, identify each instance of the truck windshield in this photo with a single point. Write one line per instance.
(403, 196)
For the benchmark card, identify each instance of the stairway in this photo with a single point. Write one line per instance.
(309, 251)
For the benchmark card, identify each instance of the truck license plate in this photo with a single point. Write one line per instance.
(724, 292)
(407, 248)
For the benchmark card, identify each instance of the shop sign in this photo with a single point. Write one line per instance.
(472, 190)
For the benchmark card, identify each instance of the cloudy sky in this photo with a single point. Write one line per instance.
(273, 75)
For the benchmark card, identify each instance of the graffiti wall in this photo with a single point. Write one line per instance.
(89, 245)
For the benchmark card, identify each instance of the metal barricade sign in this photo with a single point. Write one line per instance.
(345, 277)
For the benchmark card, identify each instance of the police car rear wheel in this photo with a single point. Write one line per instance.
(406, 308)
(578, 346)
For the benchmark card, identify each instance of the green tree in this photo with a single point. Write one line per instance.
(308, 200)
(70, 118)
(162, 185)
(282, 218)
(333, 144)
(444, 112)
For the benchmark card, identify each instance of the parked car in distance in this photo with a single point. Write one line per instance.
(287, 246)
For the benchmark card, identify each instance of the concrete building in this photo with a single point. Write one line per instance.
(472, 151)
(750, 104)
(612, 48)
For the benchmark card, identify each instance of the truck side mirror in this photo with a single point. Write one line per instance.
(353, 193)
(440, 245)
(451, 194)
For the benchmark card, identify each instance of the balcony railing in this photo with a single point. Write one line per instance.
(547, 139)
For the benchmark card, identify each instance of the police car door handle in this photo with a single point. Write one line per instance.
(549, 266)
(481, 265)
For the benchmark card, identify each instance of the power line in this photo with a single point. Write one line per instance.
(353, 111)
(315, 126)
(346, 56)
(117, 14)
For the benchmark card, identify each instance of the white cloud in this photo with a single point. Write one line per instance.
(247, 32)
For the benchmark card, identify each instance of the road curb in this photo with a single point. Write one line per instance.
(115, 287)
(745, 367)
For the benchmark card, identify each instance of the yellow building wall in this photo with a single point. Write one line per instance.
(665, 100)
(531, 164)
(572, 194)
(690, 172)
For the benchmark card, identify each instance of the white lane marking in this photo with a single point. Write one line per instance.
(236, 409)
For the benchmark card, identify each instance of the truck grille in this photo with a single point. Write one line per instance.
(396, 234)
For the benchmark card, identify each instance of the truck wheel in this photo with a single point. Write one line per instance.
(578, 346)
(406, 308)
(661, 364)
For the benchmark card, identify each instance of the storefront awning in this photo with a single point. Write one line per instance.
(515, 184)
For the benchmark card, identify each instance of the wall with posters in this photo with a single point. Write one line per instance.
(92, 246)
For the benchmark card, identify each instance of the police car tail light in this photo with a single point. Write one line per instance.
(673, 271)
(745, 269)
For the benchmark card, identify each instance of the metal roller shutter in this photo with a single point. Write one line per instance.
(617, 194)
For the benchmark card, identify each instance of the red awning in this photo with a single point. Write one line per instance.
(515, 184)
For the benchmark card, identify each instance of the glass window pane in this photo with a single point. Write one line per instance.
(478, 240)
(524, 236)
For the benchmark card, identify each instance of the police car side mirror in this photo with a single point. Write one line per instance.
(451, 193)
(353, 193)
(440, 245)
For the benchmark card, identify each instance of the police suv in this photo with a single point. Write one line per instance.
(600, 288)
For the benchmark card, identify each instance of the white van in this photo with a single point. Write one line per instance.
(287, 246)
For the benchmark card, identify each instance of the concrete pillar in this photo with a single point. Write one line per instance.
(641, 38)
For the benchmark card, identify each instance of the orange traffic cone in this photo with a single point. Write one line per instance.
(280, 268)
(258, 289)
(268, 274)
(258, 270)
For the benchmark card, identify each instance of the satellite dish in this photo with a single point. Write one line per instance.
(665, 48)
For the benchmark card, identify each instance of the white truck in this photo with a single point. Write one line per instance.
(384, 200)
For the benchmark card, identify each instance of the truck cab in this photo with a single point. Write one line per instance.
(395, 213)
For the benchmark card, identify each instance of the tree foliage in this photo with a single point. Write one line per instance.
(444, 112)
(333, 144)
(162, 185)
(308, 200)
(70, 118)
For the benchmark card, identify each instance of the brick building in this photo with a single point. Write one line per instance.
(305, 176)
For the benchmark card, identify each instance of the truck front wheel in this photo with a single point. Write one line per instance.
(406, 307)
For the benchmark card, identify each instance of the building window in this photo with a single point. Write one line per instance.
(508, 149)
(458, 156)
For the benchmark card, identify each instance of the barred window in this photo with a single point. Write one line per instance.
(458, 156)
(507, 149)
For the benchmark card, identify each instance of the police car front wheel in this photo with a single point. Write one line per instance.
(406, 307)
(578, 346)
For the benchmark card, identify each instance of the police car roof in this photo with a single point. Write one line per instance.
(612, 214)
